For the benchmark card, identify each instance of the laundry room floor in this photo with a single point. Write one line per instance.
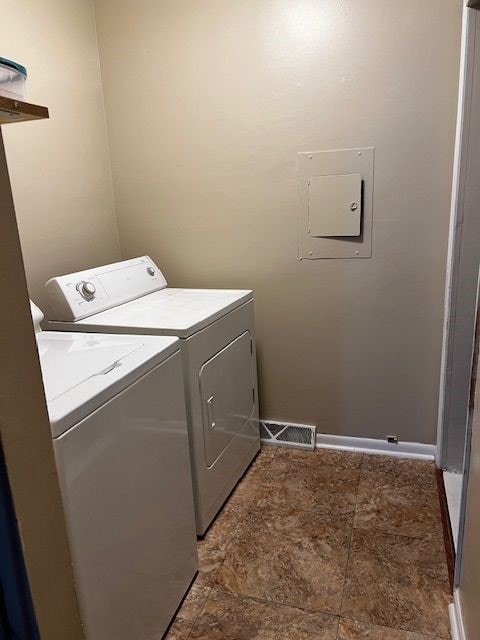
(323, 545)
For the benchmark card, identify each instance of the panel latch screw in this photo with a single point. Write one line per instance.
(353, 206)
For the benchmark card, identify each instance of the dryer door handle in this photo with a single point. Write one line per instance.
(211, 413)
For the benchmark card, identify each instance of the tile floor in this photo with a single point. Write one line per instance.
(324, 545)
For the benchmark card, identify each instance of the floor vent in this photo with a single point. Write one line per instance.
(288, 435)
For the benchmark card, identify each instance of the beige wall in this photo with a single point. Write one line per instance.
(208, 103)
(27, 443)
(59, 169)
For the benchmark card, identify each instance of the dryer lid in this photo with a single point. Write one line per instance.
(174, 312)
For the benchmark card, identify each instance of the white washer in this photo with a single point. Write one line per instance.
(117, 413)
(216, 331)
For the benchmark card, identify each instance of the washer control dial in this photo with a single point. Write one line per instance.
(86, 290)
(150, 271)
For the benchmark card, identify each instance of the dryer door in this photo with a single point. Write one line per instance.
(227, 392)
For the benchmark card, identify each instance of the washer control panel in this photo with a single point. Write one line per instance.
(79, 295)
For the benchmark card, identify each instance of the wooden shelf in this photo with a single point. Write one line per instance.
(15, 111)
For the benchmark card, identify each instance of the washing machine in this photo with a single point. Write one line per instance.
(217, 337)
(117, 413)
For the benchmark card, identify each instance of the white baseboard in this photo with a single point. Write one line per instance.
(456, 620)
(381, 447)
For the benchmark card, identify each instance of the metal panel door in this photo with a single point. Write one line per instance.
(227, 393)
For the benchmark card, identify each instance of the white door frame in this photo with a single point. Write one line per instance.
(455, 231)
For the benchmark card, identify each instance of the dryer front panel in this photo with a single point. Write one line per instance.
(227, 389)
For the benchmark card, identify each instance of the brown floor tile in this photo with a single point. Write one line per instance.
(268, 450)
(219, 538)
(323, 457)
(188, 612)
(325, 488)
(351, 630)
(229, 617)
(229, 523)
(277, 553)
(399, 502)
(290, 556)
(397, 466)
(398, 582)
(246, 491)
(179, 630)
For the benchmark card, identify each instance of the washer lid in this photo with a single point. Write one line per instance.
(82, 371)
(68, 360)
(177, 312)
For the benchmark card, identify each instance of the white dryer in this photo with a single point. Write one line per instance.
(117, 413)
(216, 331)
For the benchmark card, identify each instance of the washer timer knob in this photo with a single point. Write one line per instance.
(150, 271)
(86, 290)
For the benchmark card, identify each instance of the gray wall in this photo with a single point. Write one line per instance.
(208, 103)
